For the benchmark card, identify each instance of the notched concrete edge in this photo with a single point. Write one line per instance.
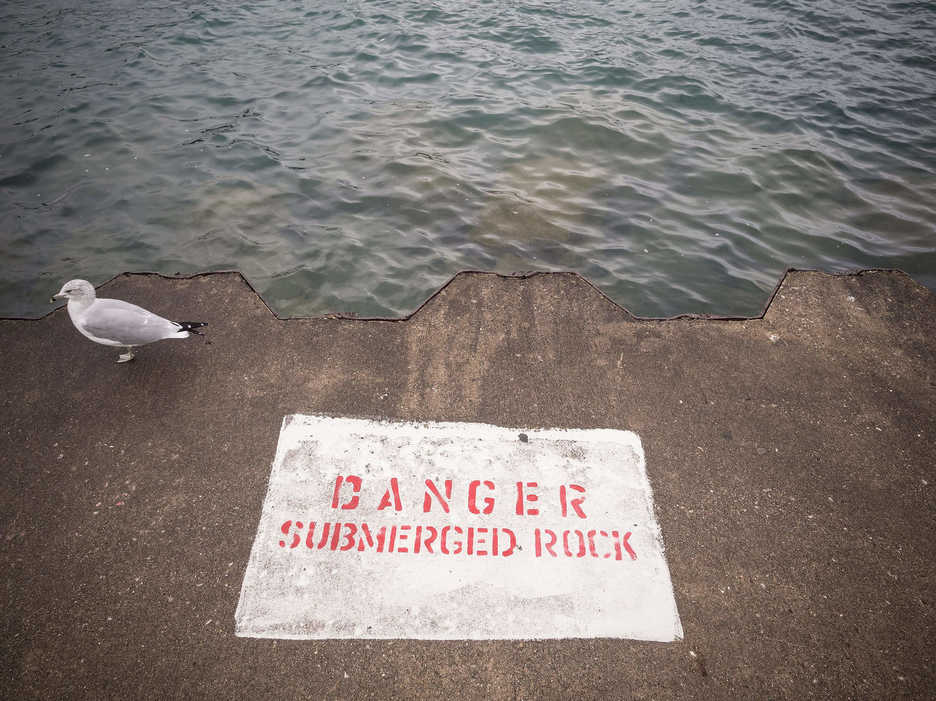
(509, 276)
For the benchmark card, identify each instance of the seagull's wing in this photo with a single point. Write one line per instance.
(126, 324)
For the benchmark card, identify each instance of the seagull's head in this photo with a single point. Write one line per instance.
(79, 290)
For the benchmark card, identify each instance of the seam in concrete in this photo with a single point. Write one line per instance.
(518, 276)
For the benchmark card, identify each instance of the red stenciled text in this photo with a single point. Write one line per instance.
(403, 538)
(480, 496)
(474, 541)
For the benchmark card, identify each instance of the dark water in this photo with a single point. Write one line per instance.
(351, 156)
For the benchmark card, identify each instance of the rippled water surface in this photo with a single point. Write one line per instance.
(351, 156)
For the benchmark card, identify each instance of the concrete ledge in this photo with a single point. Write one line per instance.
(509, 276)
(791, 456)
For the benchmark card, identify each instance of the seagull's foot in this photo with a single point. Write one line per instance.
(126, 357)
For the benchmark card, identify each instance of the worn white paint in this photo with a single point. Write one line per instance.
(329, 592)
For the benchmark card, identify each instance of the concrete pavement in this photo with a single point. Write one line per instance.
(791, 458)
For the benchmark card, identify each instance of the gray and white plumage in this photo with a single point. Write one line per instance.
(113, 322)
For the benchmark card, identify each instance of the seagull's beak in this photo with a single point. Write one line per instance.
(55, 297)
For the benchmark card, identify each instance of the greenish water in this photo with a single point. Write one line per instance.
(351, 156)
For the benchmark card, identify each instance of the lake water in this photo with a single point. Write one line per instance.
(351, 156)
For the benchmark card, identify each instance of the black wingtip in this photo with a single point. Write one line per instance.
(190, 326)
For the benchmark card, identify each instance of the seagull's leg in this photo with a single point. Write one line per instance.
(126, 357)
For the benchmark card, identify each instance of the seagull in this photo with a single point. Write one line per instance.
(113, 322)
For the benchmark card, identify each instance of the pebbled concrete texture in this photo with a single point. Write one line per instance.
(791, 458)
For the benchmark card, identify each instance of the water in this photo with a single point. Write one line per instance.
(351, 156)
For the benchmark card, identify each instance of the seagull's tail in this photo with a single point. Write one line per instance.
(190, 326)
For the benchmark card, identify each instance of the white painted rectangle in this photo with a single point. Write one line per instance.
(456, 531)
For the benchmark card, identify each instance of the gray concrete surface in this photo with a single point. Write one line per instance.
(791, 457)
